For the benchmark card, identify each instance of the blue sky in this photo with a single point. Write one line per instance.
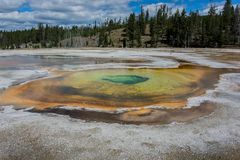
(21, 14)
(191, 5)
(25, 7)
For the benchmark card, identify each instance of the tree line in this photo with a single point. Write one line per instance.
(48, 36)
(186, 30)
(178, 29)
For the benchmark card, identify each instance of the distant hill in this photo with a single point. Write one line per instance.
(117, 38)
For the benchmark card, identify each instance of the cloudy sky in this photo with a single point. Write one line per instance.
(20, 14)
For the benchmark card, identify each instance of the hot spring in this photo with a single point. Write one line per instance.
(113, 89)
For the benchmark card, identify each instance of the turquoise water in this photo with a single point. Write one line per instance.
(125, 79)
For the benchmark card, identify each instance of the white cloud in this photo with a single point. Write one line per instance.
(218, 5)
(69, 12)
(171, 6)
(10, 5)
(61, 12)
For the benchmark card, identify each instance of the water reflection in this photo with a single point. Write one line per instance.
(36, 61)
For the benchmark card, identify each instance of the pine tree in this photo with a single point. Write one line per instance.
(212, 27)
(101, 39)
(162, 16)
(147, 17)
(227, 21)
(237, 25)
(40, 33)
(220, 31)
(183, 29)
(176, 29)
(153, 29)
(142, 22)
(138, 36)
(131, 29)
(194, 23)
